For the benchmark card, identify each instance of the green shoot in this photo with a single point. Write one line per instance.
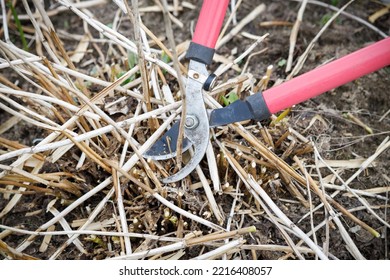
(334, 2)
(166, 59)
(230, 98)
(128, 80)
(282, 62)
(132, 61)
(18, 25)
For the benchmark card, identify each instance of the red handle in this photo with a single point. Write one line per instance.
(210, 22)
(329, 76)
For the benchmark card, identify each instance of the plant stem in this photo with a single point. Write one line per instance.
(18, 25)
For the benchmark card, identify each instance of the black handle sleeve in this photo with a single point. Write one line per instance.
(200, 53)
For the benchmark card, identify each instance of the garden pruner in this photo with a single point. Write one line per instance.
(258, 106)
(196, 127)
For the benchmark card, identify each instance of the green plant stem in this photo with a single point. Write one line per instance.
(18, 25)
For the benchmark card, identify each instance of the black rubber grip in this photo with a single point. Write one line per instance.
(200, 53)
(258, 106)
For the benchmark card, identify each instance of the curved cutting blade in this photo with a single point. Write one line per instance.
(165, 147)
(197, 132)
(191, 165)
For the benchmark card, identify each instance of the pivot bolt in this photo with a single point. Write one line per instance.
(191, 122)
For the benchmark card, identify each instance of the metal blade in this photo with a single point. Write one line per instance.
(197, 123)
(253, 107)
(236, 112)
(196, 130)
(199, 152)
(165, 147)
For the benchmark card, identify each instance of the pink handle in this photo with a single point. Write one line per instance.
(329, 76)
(210, 22)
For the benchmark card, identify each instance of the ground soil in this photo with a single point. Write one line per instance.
(337, 137)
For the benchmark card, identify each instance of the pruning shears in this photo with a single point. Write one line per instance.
(258, 106)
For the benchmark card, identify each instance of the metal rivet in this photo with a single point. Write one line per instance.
(195, 76)
(191, 122)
